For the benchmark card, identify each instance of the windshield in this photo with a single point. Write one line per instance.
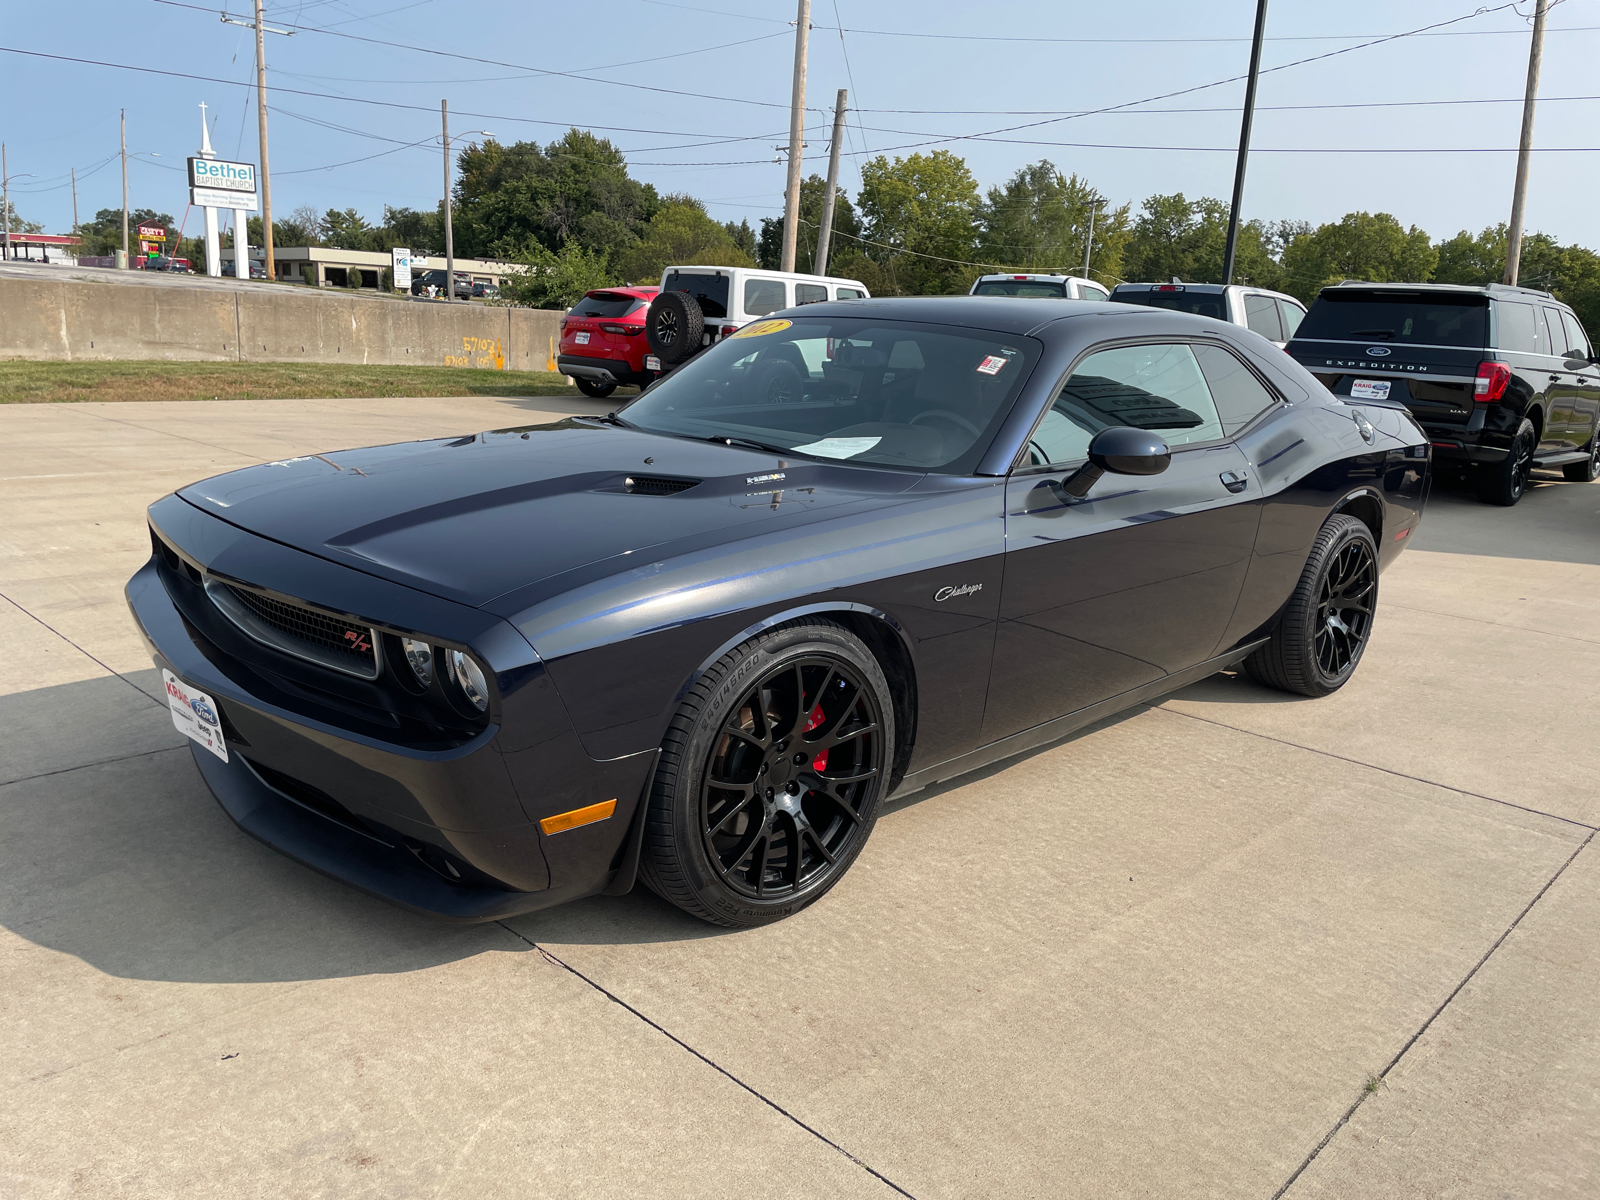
(1201, 304)
(710, 291)
(1398, 318)
(864, 390)
(1020, 287)
(606, 304)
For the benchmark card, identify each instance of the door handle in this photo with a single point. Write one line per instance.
(1234, 481)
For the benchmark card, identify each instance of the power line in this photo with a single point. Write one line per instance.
(1220, 108)
(1183, 41)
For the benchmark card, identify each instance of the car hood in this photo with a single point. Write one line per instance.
(471, 518)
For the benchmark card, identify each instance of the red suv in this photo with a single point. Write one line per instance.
(603, 342)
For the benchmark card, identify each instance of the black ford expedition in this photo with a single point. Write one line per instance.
(1502, 379)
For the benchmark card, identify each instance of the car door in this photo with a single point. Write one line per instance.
(1139, 579)
(1522, 342)
(1561, 395)
(1584, 418)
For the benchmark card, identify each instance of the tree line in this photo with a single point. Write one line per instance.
(918, 225)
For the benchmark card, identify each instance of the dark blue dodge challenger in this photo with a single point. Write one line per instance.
(848, 552)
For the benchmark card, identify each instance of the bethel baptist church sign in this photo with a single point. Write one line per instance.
(218, 184)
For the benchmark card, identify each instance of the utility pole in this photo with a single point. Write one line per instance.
(74, 201)
(261, 124)
(825, 234)
(1244, 141)
(449, 231)
(1519, 196)
(1088, 242)
(5, 186)
(125, 262)
(797, 130)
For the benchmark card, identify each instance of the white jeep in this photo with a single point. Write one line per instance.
(699, 306)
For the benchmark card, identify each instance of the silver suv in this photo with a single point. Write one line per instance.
(1059, 287)
(1271, 314)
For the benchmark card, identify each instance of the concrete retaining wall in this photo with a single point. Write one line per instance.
(77, 317)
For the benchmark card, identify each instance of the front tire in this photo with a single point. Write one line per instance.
(1585, 472)
(1506, 481)
(771, 776)
(594, 389)
(1328, 620)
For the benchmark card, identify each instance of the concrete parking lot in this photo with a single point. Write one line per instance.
(1235, 944)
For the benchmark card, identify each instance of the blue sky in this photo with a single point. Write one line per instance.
(920, 75)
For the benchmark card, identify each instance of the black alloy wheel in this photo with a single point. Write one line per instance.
(1504, 482)
(1327, 623)
(771, 776)
(1585, 472)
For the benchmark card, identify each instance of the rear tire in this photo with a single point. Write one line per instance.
(771, 776)
(775, 382)
(1326, 624)
(594, 388)
(1504, 482)
(1585, 472)
(674, 327)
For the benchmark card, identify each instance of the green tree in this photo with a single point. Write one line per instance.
(555, 280)
(1187, 239)
(921, 222)
(1475, 260)
(346, 230)
(1369, 246)
(18, 225)
(681, 234)
(577, 187)
(1039, 221)
(846, 229)
(743, 237)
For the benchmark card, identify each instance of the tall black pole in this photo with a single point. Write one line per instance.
(1244, 142)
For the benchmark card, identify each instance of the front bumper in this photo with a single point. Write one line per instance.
(448, 830)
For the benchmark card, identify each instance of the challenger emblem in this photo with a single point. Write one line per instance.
(952, 593)
(358, 640)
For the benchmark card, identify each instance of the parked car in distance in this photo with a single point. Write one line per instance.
(257, 270)
(485, 291)
(602, 340)
(700, 641)
(1503, 379)
(697, 307)
(1056, 287)
(422, 280)
(1271, 314)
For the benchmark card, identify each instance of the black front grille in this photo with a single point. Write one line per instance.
(658, 485)
(314, 628)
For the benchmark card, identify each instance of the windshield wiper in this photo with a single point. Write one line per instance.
(724, 440)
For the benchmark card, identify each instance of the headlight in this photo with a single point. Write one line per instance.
(469, 677)
(420, 656)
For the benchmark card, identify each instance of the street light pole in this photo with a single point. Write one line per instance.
(1519, 194)
(449, 231)
(74, 201)
(1244, 142)
(261, 121)
(125, 262)
(5, 186)
(797, 130)
(1088, 243)
(825, 234)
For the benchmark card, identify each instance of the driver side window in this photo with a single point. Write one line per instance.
(1157, 387)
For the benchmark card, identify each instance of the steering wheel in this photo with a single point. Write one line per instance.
(954, 418)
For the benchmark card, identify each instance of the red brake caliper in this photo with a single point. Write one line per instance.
(820, 762)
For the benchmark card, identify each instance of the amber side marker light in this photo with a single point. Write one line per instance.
(562, 822)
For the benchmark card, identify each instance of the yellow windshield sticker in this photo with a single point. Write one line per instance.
(762, 328)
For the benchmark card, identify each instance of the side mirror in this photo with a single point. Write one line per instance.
(1121, 450)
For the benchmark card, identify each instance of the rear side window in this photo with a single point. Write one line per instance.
(1291, 315)
(1090, 292)
(849, 294)
(709, 291)
(1517, 328)
(763, 296)
(1558, 332)
(1399, 318)
(1201, 304)
(809, 293)
(1042, 289)
(1240, 397)
(1261, 315)
(1577, 343)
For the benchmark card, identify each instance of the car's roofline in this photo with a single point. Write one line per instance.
(1346, 286)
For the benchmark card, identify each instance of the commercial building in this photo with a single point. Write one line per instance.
(327, 267)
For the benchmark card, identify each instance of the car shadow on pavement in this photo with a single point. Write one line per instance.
(1555, 521)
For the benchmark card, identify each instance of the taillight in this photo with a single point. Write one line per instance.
(1490, 385)
(729, 330)
(622, 329)
(1169, 287)
(1019, 277)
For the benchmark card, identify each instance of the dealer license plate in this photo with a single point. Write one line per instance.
(195, 715)
(652, 363)
(1369, 389)
(581, 339)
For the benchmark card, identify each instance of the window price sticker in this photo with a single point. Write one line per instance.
(195, 715)
(991, 365)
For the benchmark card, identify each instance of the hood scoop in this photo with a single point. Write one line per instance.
(657, 485)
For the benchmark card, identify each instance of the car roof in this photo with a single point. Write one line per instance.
(1471, 289)
(1020, 275)
(999, 314)
(1184, 284)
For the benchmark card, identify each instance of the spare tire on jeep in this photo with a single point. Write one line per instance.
(674, 327)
